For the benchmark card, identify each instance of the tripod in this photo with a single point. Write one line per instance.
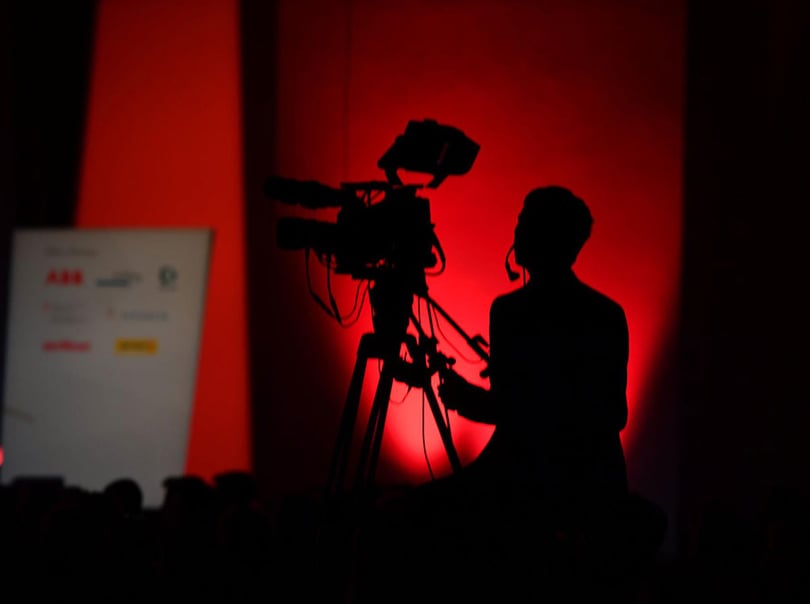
(392, 308)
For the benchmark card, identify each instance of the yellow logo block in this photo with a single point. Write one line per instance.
(147, 346)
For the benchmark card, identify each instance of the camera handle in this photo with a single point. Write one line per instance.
(477, 343)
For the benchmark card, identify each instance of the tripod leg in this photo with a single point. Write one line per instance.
(340, 458)
(372, 441)
(418, 355)
(444, 430)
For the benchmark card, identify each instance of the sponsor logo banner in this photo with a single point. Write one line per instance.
(101, 353)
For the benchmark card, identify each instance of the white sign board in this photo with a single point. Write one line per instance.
(104, 333)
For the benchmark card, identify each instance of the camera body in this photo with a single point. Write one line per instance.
(371, 239)
(395, 233)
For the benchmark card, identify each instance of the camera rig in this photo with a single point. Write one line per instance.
(389, 244)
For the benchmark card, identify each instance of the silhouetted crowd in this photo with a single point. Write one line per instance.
(205, 540)
(218, 541)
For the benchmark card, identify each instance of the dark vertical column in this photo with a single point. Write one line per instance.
(259, 81)
(50, 47)
(744, 331)
(7, 181)
(45, 57)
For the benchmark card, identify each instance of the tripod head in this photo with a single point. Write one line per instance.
(392, 300)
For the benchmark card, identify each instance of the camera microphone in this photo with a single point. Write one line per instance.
(511, 273)
(309, 194)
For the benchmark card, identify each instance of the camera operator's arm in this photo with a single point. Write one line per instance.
(471, 401)
(474, 402)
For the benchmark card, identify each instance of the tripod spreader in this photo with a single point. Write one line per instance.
(417, 373)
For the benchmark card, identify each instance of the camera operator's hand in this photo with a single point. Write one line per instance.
(453, 389)
(470, 401)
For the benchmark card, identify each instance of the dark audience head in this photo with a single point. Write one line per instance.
(126, 496)
(236, 487)
(186, 494)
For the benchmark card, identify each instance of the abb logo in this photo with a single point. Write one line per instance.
(65, 277)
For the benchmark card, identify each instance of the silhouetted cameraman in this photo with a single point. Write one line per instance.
(553, 474)
(558, 369)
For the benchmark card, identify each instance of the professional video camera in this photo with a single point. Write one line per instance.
(395, 233)
(389, 244)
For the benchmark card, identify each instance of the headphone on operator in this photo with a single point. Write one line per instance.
(510, 272)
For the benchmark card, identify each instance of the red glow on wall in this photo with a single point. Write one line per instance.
(582, 94)
(163, 149)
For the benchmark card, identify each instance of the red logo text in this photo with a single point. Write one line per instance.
(64, 276)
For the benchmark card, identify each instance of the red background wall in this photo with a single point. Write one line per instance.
(743, 322)
(163, 147)
(587, 95)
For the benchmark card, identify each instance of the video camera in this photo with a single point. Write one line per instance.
(389, 243)
(371, 238)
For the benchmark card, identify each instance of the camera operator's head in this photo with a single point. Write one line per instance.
(552, 227)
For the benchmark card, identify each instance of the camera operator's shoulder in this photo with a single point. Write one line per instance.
(516, 296)
(509, 303)
(604, 303)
